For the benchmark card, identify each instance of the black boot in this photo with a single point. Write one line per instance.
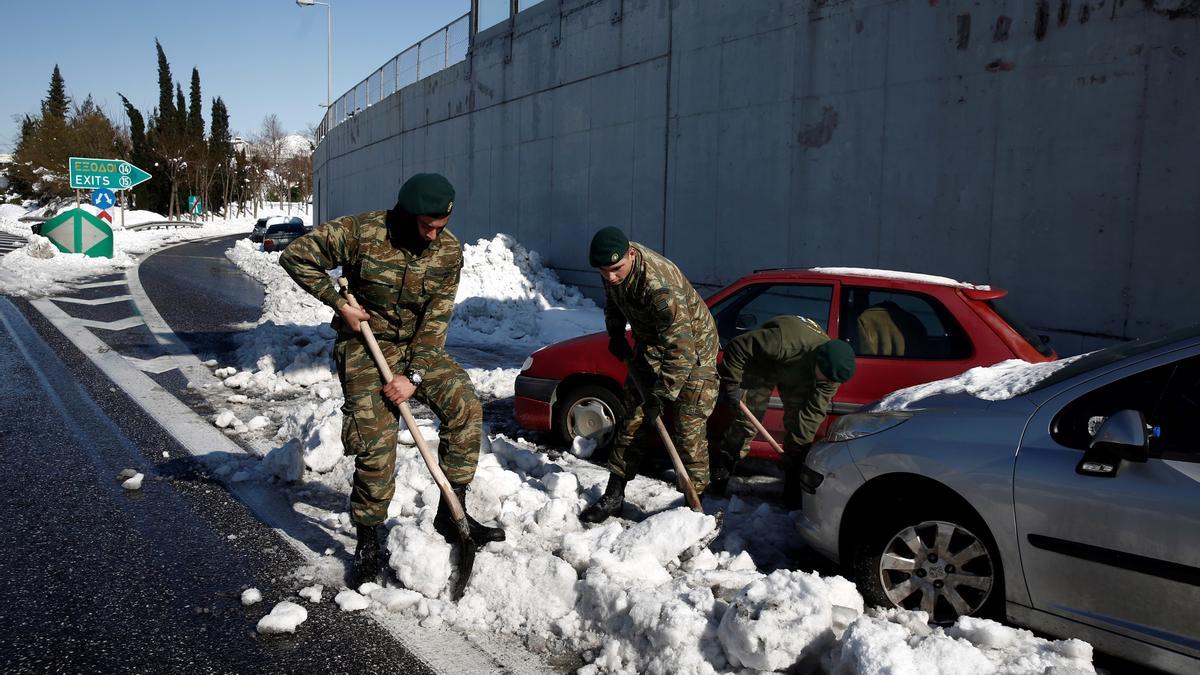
(367, 561)
(443, 522)
(717, 486)
(609, 504)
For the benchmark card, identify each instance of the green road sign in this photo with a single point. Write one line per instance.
(114, 174)
(77, 231)
(195, 205)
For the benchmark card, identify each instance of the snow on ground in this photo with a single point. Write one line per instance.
(635, 594)
(25, 273)
(991, 383)
(629, 595)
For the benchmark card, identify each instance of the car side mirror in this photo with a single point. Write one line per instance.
(1122, 436)
(746, 322)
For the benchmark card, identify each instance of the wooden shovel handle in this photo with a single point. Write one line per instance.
(435, 470)
(685, 481)
(762, 431)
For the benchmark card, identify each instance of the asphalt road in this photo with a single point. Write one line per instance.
(203, 296)
(100, 579)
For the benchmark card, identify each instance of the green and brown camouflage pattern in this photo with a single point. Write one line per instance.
(695, 403)
(370, 423)
(410, 298)
(672, 327)
(779, 353)
(675, 357)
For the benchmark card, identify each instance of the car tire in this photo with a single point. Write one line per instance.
(591, 410)
(957, 567)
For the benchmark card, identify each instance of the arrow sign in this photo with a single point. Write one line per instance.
(77, 231)
(103, 198)
(115, 174)
(103, 215)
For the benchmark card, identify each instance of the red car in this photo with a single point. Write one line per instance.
(906, 329)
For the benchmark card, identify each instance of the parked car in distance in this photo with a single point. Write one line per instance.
(1072, 508)
(277, 237)
(261, 225)
(905, 328)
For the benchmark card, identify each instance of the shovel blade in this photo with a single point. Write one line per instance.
(466, 560)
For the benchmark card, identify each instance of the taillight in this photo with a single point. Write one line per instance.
(269, 242)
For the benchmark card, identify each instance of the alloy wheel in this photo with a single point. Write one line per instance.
(938, 567)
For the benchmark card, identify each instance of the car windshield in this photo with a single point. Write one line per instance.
(1104, 357)
(1038, 342)
(285, 227)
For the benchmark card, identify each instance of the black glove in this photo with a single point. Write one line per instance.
(652, 408)
(619, 347)
(731, 393)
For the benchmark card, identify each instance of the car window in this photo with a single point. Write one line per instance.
(883, 323)
(1167, 396)
(756, 304)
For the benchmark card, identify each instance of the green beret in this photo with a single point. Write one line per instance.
(608, 245)
(836, 359)
(426, 194)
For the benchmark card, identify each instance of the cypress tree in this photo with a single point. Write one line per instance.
(195, 112)
(220, 154)
(141, 156)
(166, 106)
(180, 106)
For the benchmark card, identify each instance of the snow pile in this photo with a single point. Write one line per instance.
(284, 618)
(505, 294)
(636, 595)
(992, 383)
(901, 641)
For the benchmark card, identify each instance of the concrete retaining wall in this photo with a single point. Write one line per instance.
(1050, 148)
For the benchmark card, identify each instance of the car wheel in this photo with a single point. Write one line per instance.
(591, 411)
(946, 566)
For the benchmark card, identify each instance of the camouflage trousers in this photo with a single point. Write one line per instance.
(370, 423)
(692, 408)
(735, 444)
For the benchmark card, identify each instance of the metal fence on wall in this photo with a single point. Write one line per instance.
(442, 49)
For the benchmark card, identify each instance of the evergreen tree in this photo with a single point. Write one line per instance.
(55, 104)
(18, 179)
(166, 106)
(195, 112)
(180, 106)
(141, 156)
(220, 156)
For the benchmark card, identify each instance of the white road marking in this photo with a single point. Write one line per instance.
(101, 284)
(94, 301)
(120, 324)
(157, 365)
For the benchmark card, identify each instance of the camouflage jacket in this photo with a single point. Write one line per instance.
(782, 351)
(410, 297)
(674, 331)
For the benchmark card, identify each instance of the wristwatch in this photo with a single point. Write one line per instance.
(415, 377)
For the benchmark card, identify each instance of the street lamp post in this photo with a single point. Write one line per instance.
(328, 47)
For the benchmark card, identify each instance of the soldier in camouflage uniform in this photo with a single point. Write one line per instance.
(795, 355)
(403, 267)
(674, 360)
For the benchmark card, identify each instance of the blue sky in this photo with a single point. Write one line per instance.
(260, 56)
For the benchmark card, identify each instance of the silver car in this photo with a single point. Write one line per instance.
(1072, 508)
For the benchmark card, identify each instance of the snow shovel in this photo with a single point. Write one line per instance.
(466, 559)
(685, 481)
(762, 431)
